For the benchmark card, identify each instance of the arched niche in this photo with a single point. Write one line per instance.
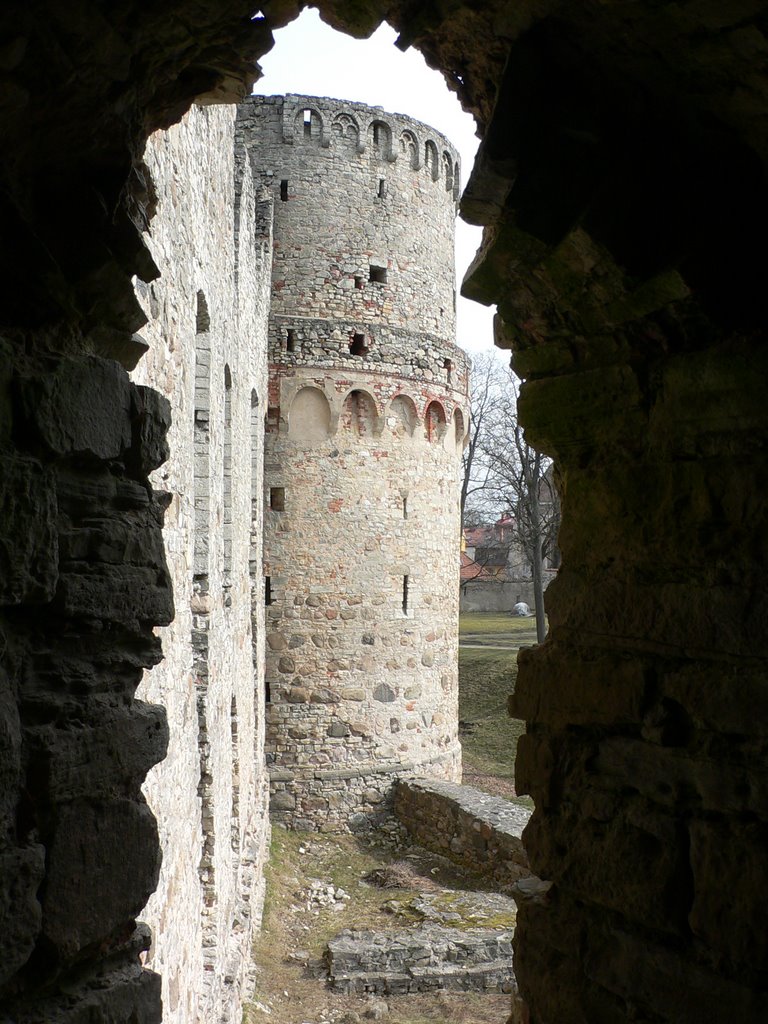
(431, 160)
(308, 125)
(345, 131)
(309, 418)
(402, 416)
(448, 171)
(459, 428)
(380, 139)
(409, 149)
(358, 414)
(435, 422)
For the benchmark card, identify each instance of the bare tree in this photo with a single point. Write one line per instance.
(504, 474)
(484, 394)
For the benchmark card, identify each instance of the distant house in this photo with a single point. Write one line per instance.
(494, 572)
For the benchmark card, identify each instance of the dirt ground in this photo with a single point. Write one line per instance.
(316, 887)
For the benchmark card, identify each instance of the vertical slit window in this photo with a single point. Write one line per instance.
(267, 692)
(284, 190)
(277, 499)
(405, 507)
(290, 341)
(268, 598)
(405, 595)
(382, 188)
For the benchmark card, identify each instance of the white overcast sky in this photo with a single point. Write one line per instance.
(311, 58)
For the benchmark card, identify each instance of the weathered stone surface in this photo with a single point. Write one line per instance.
(86, 896)
(420, 960)
(82, 409)
(480, 831)
(20, 911)
(28, 552)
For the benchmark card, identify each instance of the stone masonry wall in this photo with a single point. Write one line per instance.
(360, 689)
(365, 425)
(356, 188)
(482, 832)
(207, 354)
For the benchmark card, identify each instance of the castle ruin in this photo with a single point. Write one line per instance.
(621, 182)
(331, 660)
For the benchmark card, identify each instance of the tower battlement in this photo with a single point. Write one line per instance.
(357, 129)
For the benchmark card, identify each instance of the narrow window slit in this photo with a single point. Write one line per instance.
(277, 499)
(405, 595)
(284, 190)
(290, 341)
(268, 598)
(382, 188)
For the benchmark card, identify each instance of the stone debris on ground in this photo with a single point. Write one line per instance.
(322, 895)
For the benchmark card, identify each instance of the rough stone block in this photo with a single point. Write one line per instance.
(29, 547)
(83, 408)
(729, 862)
(23, 870)
(103, 863)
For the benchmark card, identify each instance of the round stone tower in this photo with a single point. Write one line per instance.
(366, 422)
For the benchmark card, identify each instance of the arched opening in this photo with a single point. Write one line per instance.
(409, 149)
(309, 418)
(380, 139)
(459, 428)
(346, 131)
(308, 126)
(431, 160)
(434, 422)
(358, 414)
(402, 416)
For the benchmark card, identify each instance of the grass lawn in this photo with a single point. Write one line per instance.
(494, 622)
(486, 679)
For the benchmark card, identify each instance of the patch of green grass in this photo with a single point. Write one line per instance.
(494, 622)
(486, 679)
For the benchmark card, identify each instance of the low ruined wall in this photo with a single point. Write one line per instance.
(498, 595)
(479, 831)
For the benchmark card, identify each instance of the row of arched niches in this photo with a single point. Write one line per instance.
(311, 417)
(375, 136)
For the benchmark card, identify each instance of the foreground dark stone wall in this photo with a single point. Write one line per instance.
(622, 182)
